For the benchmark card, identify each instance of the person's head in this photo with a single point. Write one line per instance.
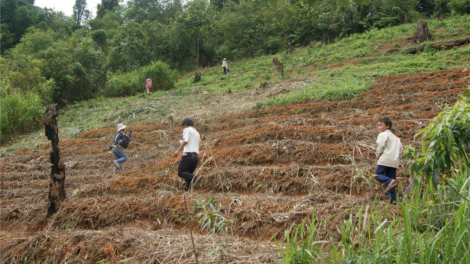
(224, 59)
(383, 124)
(120, 127)
(187, 122)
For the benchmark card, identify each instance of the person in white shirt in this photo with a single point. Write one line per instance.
(388, 150)
(190, 159)
(225, 66)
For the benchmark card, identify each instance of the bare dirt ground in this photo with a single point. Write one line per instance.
(268, 170)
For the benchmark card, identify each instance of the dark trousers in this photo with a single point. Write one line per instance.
(385, 175)
(187, 166)
(225, 70)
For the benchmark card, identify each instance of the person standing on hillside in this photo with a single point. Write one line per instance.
(148, 84)
(225, 66)
(120, 142)
(389, 148)
(190, 147)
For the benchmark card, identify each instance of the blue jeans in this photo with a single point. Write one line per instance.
(121, 157)
(385, 175)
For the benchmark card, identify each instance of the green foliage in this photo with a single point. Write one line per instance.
(425, 232)
(442, 9)
(163, 78)
(426, 7)
(129, 50)
(343, 87)
(214, 221)
(17, 16)
(106, 5)
(20, 112)
(461, 7)
(303, 245)
(162, 11)
(7, 38)
(99, 36)
(445, 144)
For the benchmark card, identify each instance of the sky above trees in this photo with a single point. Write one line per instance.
(66, 6)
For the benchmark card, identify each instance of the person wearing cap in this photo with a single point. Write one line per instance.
(148, 84)
(121, 139)
(190, 147)
(225, 66)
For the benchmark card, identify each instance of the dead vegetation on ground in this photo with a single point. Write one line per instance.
(268, 169)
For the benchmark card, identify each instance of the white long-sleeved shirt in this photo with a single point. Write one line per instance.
(388, 149)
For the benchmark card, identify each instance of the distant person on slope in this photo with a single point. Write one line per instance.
(225, 66)
(190, 147)
(120, 142)
(388, 150)
(148, 84)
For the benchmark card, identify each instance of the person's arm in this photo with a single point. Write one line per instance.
(184, 142)
(180, 148)
(381, 140)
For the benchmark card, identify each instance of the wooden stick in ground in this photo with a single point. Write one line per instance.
(217, 168)
(190, 230)
(280, 130)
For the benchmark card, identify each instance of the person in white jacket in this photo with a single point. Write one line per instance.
(225, 66)
(388, 150)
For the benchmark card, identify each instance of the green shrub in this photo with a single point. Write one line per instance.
(20, 112)
(131, 83)
(461, 7)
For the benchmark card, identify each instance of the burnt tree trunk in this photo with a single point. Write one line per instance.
(279, 66)
(197, 76)
(439, 46)
(422, 33)
(57, 178)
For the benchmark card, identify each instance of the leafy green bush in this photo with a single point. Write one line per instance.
(20, 112)
(163, 78)
(461, 7)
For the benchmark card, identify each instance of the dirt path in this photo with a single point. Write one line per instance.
(274, 167)
(221, 104)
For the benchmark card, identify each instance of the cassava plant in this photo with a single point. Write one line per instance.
(445, 145)
(211, 219)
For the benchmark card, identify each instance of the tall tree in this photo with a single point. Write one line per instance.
(426, 7)
(79, 10)
(22, 20)
(106, 5)
(195, 17)
(7, 11)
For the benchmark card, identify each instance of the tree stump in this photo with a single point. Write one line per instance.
(197, 76)
(57, 177)
(279, 67)
(422, 33)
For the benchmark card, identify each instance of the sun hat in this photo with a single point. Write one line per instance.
(120, 127)
(224, 58)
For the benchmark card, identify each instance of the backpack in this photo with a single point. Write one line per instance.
(125, 142)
